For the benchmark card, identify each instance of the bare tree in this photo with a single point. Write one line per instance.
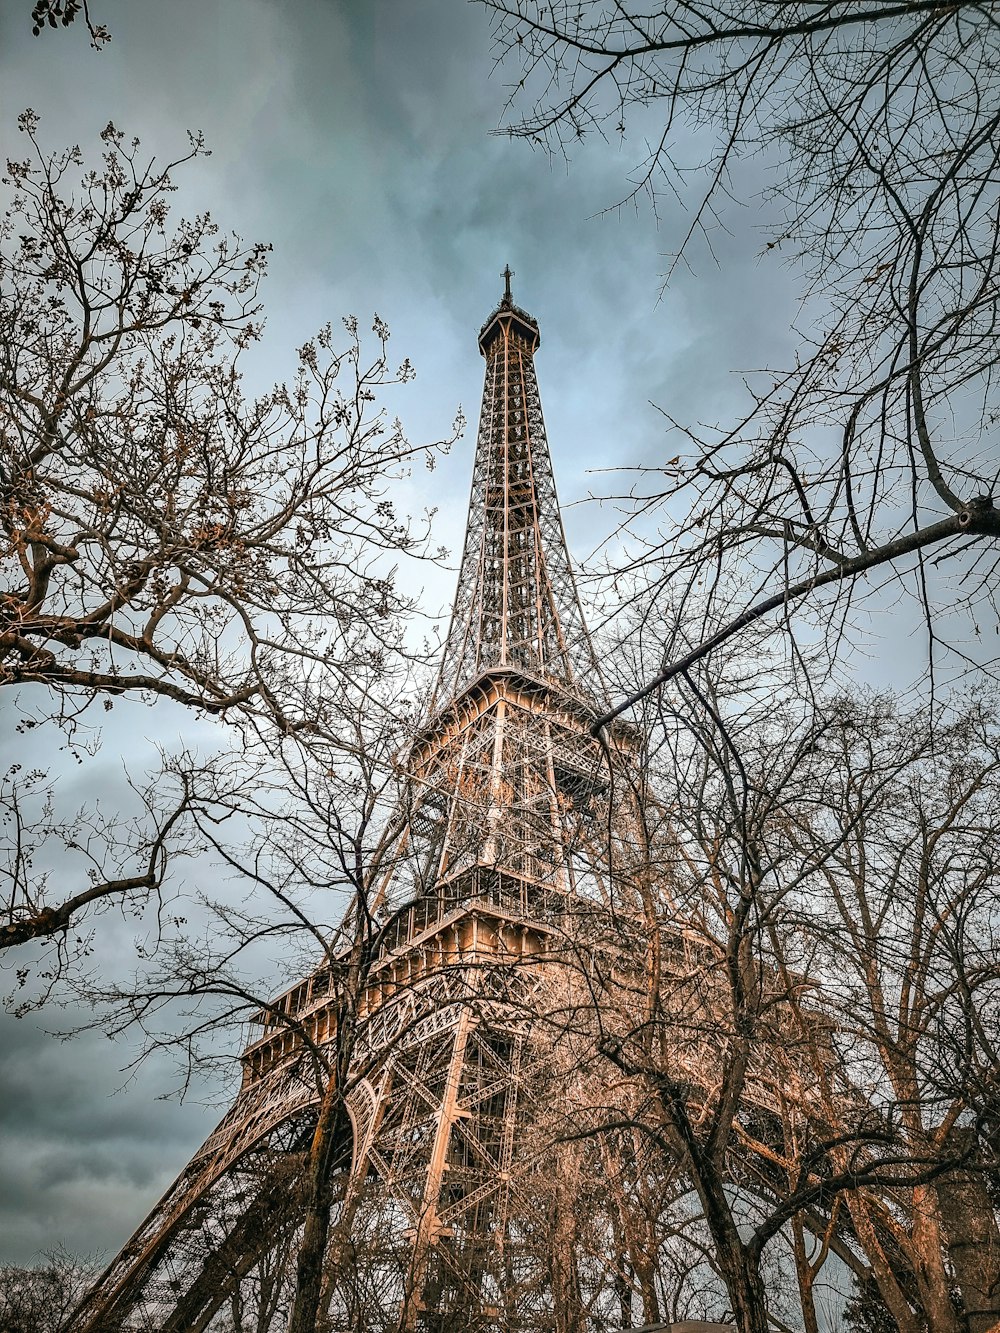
(166, 536)
(38, 1299)
(815, 1023)
(867, 467)
(343, 823)
(874, 454)
(903, 912)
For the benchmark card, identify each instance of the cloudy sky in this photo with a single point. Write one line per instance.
(355, 135)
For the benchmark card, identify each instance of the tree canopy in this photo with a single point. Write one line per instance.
(166, 536)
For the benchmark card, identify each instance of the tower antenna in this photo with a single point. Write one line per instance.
(507, 274)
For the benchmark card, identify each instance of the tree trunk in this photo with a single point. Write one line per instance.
(744, 1284)
(331, 1139)
(806, 1276)
(885, 1279)
(738, 1263)
(928, 1246)
(973, 1239)
(567, 1301)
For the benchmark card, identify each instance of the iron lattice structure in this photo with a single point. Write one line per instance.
(517, 604)
(457, 1212)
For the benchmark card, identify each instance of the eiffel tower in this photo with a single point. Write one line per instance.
(450, 1212)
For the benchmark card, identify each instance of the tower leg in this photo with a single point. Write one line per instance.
(270, 1216)
(217, 1221)
(428, 1227)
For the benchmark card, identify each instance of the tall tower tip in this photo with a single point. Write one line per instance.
(508, 317)
(507, 274)
(517, 606)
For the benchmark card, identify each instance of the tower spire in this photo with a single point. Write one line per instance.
(517, 606)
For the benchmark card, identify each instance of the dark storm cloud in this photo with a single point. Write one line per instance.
(355, 136)
(81, 1162)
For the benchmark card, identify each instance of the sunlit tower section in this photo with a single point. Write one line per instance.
(454, 1215)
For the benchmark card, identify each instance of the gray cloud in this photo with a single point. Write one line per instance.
(82, 1161)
